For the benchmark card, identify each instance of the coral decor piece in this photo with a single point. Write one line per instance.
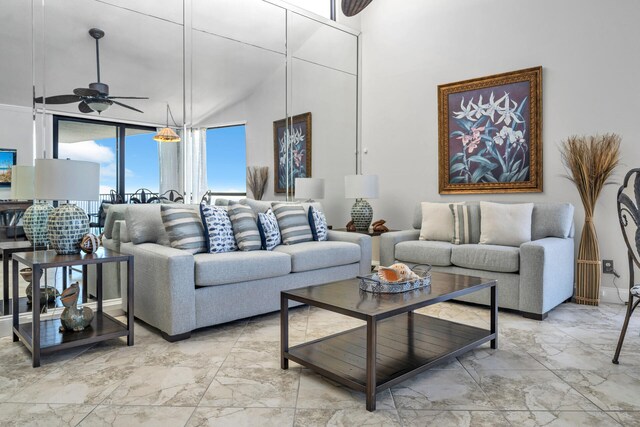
(590, 161)
(379, 227)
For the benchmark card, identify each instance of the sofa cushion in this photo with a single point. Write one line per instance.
(234, 267)
(551, 220)
(424, 252)
(315, 255)
(503, 259)
(114, 213)
(144, 224)
(505, 224)
(184, 227)
(466, 223)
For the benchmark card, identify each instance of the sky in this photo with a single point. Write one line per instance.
(226, 160)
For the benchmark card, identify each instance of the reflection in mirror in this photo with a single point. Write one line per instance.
(324, 82)
(16, 122)
(239, 82)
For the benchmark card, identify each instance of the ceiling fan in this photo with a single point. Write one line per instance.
(96, 96)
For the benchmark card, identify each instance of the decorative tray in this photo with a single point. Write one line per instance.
(373, 283)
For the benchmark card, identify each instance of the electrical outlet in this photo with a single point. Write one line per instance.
(607, 266)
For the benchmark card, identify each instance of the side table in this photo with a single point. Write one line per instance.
(7, 249)
(375, 243)
(42, 337)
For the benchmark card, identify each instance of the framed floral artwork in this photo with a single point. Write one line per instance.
(490, 134)
(292, 151)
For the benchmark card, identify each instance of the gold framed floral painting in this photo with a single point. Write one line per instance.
(291, 151)
(490, 134)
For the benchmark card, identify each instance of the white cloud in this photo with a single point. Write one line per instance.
(105, 189)
(87, 151)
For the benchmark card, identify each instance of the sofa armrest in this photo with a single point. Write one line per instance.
(546, 274)
(363, 240)
(164, 287)
(388, 242)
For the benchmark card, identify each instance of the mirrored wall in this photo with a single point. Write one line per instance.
(215, 63)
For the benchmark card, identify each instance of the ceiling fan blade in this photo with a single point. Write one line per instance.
(58, 99)
(127, 106)
(83, 91)
(84, 108)
(127, 97)
(353, 7)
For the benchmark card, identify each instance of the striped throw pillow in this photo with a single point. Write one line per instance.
(245, 229)
(184, 227)
(463, 227)
(293, 223)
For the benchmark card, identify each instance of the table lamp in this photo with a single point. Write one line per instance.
(361, 187)
(65, 180)
(309, 189)
(34, 220)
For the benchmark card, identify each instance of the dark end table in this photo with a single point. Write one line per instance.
(42, 337)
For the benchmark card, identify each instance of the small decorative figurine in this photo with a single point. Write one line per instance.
(90, 243)
(74, 318)
(351, 226)
(379, 226)
(47, 294)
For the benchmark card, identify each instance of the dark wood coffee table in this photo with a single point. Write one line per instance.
(396, 343)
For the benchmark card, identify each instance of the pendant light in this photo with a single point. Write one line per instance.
(167, 134)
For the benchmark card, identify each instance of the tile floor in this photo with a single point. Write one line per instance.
(552, 373)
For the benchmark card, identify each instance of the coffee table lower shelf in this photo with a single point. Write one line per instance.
(407, 344)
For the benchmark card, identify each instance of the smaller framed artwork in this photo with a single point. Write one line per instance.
(489, 134)
(7, 159)
(291, 151)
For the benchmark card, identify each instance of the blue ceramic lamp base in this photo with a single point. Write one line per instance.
(67, 225)
(362, 214)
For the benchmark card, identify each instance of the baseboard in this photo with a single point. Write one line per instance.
(6, 322)
(613, 296)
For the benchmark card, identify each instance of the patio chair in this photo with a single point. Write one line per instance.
(629, 216)
(172, 196)
(144, 195)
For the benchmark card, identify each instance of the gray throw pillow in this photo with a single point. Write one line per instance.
(245, 229)
(184, 227)
(293, 223)
(505, 224)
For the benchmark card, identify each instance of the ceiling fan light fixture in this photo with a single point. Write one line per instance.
(98, 105)
(167, 135)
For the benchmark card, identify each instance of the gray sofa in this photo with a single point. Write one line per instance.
(532, 278)
(178, 292)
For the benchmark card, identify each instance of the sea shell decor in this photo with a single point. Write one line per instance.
(47, 294)
(89, 243)
(74, 318)
(398, 272)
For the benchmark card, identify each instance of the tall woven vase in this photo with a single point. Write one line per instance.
(590, 161)
(588, 267)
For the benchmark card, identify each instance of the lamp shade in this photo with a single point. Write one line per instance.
(361, 186)
(309, 188)
(22, 182)
(57, 179)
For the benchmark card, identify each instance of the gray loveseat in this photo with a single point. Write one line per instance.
(532, 278)
(178, 292)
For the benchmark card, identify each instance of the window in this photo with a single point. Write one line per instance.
(127, 154)
(227, 160)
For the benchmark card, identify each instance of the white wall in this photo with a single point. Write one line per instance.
(590, 58)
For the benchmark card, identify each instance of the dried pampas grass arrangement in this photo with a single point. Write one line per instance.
(590, 161)
(257, 180)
